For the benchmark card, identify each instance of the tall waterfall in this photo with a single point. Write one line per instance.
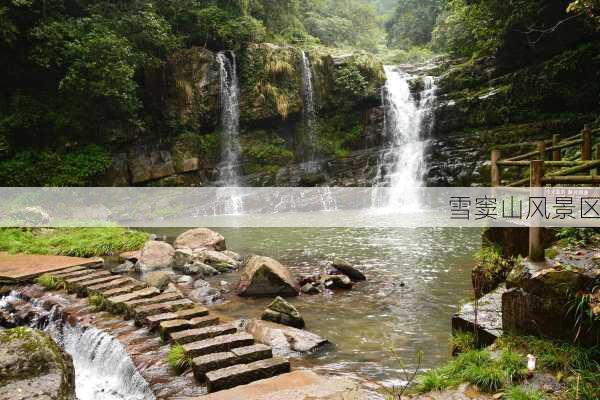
(230, 135)
(308, 113)
(407, 123)
(230, 120)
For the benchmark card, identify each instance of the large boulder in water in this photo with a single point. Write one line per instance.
(33, 366)
(284, 339)
(264, 276)
(200, 238)
(155, 255)
(347, 269)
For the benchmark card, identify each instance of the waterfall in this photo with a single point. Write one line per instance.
(308, 114)
(230, 134)
(230, 120)
(407, 123)
(103, 369)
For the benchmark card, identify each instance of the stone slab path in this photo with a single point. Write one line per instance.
(21, 267)
(220, 356)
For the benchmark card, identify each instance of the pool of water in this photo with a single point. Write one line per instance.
(376, 316)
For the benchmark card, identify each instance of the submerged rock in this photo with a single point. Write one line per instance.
(123, 268)
(206, 295)
(310, 288)
(200, 238)
(155, 255)
(282, 312)
(215, 258)
(158, 279)
(33, 366)
(336, 282)
(347, 269)
(264, 276)
(284, 339)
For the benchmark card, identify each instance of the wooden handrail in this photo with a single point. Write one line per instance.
(581, 168)
(571, 180)
(526, 163)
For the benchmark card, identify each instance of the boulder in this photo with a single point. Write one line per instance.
(155, 255)
(310, 288)
(33, 366)
(132, 256)
(284, 339)
(206, 295)
(123, 268)
(347, 269)
(282, 312)
(183, 256)
(200, 238)
(200, 283)
(336, 282)
(158, 279)
(185, 280)
(233, 255)
(264, 276)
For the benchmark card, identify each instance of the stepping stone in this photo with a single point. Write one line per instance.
(218, 344)
(252, 353)
(241, 355)
(129, 306)
(81, 287)
(123, 290)
(141, 312)
(154, 321)
(166, 328)
(202, 322)
(116, 304)
(69, 271)
(119, 282)
(72, 283)
(212, 362)
(195, 335)
(242, 374)
(75, 274)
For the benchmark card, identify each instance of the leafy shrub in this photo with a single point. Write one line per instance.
(48, 282)
(461, 342)
(97, 302)
(177, 358)
(520, 393)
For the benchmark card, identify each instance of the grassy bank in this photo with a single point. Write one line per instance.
(77, 242)
(502, 368)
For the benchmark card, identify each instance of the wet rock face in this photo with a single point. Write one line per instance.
(33, 366)
(264, 276)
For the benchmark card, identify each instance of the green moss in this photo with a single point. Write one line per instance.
(338, 135)
(79, 242)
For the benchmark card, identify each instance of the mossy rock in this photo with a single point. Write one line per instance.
(32, 365)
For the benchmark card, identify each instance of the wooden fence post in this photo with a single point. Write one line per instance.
(586, 144)
(595, 170)
(496, 175)
(536, 246)
(541, 148)
(555, 152)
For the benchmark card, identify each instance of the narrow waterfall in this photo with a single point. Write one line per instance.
(230, 201)
(308, 114)
(230, 120)
(407, 123)
(103, 369)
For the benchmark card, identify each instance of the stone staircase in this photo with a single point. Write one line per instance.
(221, 357)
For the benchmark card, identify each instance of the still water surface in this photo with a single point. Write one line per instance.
(433, 263)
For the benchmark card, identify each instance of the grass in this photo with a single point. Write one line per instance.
(48, 282)
(177, 358)
(461, 342)
(97, 302)
(76, 242)
(521, 393)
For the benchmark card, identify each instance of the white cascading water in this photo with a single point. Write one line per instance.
(309, 115)
(103, 370)
(407, 124)
(230, 134)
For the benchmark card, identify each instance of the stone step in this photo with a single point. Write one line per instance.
(241, 374)
(81, 287)
(117, 283)
(122, 290)
(166, 328)
(87, 277)
(75, 274)
(241, 355)
(153, 321)
(202, 322)
(129, 306)
(218, 344)
(141, 312)
(116, 304)
(196, 335)
(72, 270)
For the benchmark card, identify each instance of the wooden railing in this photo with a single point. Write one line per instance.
(551, 157)
(543, 163)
